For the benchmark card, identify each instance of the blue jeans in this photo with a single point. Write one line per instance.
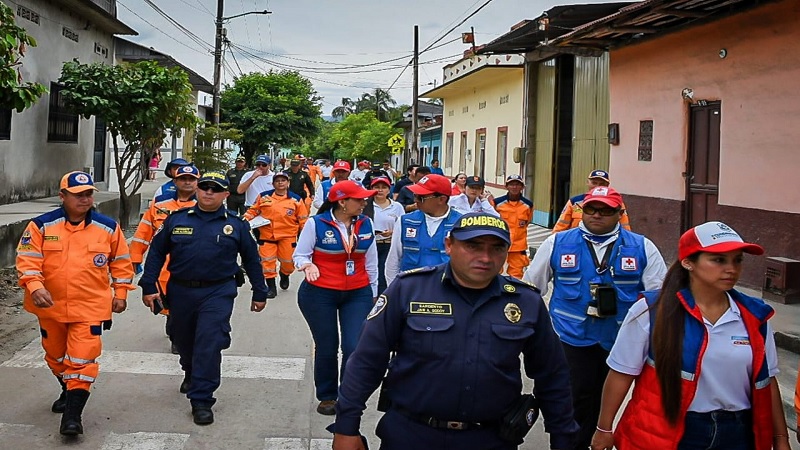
(723, 430)
(323, 308)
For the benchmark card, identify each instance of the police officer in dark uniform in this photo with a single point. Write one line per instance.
(458, 330)
(203, 243)
(299, 180)
(234, 176)
(376, 171)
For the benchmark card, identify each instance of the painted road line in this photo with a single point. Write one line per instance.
(271, 368)
(144, 441)
(297, 444)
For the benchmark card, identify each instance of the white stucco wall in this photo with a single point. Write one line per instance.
(31, 167)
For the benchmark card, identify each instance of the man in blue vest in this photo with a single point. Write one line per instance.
(598, 271)
(418, 237)
(340, 172)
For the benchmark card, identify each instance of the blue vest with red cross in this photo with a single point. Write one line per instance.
(574, 269)
(420, 249)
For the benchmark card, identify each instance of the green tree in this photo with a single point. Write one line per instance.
(208, 157)
(139, 103)
(322, 145)
(14, 40)
(272, 108)
(362, 136)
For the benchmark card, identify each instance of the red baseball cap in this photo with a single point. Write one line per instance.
(714, 237)
(432, 184)
(377, 180)
(604, 195)
(341, 165)
(348, 189)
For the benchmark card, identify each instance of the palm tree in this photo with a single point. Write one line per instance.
(347, 107)
(383, 103)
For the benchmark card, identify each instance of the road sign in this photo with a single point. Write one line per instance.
(397, 150)
(397, 141)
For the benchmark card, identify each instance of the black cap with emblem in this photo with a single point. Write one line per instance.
(472, 225)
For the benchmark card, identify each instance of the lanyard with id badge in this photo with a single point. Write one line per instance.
(348, 242)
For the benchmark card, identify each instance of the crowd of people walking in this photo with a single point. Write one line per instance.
(424, 284)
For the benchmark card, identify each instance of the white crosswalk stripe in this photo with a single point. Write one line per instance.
(272, 368)
(296, 444)
(144, 441)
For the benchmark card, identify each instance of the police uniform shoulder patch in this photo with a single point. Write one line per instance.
(418, 270)
(380, 305)
(512, 281)
(26, 238)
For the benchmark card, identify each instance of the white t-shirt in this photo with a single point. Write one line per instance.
(326, 170)
(259, 185)
(461, 204)
(358, 175)
(727, 365)
(385, 218)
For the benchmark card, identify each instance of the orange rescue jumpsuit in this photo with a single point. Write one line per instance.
(288, 215)
(518, 214)
(156, 214)
(73, 263)
(572, 215)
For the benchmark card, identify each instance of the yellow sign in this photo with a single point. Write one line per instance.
(397, 150)
(396, 141)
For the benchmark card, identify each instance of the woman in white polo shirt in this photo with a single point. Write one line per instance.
(702, 355)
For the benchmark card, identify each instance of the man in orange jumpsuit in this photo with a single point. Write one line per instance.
(572, 213)
(165, 204)
(287, 214)
(517, 211)
(64, 258)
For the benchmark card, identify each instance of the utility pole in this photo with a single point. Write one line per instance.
(218, 60)
(415, 94)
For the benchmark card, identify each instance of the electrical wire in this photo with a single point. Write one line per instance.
(196, 8)
(485, 4)
(197, 39)
(234, 58)
(205, 52)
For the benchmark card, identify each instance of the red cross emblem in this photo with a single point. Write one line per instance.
(568, 260)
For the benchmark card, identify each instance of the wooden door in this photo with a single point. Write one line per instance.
(702, 174)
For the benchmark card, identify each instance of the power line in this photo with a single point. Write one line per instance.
(196, 8)
(162, 31)
(197, 39)
(204, 7)
(486, 3)
(234, 59)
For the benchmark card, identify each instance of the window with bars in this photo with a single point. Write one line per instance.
(646, 140)
(5, 124)
(62, 124)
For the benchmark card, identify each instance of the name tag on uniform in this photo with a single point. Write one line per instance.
(349, 267)
(442, 309)
(182, 230)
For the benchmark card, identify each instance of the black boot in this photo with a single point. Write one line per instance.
(272, 290)
(61, 402)
(186, 383)
(71, 419)
(284, 281)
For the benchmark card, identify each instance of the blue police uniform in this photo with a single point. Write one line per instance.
(457, 359)
(420, 249)
(571, 275)
(203, 248)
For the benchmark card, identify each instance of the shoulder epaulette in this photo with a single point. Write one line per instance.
(517, 282)
(418, 270)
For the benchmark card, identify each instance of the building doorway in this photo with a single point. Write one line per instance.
(702, 171)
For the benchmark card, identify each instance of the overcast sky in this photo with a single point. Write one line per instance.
(324, 39)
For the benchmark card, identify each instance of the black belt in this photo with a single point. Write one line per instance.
(433, 422)
(389, 242)
(199, 284)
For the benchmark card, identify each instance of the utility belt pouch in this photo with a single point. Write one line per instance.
(604, 300)
(519, 419)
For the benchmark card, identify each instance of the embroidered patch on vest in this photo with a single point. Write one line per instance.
(380, 305)
(568, 260)
(628, 263)
(411, 232)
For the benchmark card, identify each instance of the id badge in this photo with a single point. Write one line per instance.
(349, 267)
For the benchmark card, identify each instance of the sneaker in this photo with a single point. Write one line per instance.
(327, 407)
(284, 282)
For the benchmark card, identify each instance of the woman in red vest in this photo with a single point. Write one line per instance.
(702, 355)
(336, 251)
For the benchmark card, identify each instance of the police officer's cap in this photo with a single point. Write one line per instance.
(472, 225)
(215, 178)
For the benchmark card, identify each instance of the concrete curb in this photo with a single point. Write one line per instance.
(787, 341)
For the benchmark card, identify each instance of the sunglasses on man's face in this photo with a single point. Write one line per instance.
(213, 187)
(261, 165)
(605, 212)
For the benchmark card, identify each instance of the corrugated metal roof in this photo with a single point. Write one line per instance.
(562, 19)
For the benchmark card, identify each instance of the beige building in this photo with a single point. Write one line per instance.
(483, 110)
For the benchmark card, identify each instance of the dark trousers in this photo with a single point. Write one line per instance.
(326, 311)
(587, 373)
(236, 204)
(718, 430)
(383, 252)
(201, 328)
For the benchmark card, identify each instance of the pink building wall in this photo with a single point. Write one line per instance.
(758, 84)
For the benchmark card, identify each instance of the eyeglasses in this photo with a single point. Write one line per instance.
(261, 165)
(215, 188)
(421, 199)
(605, 212)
